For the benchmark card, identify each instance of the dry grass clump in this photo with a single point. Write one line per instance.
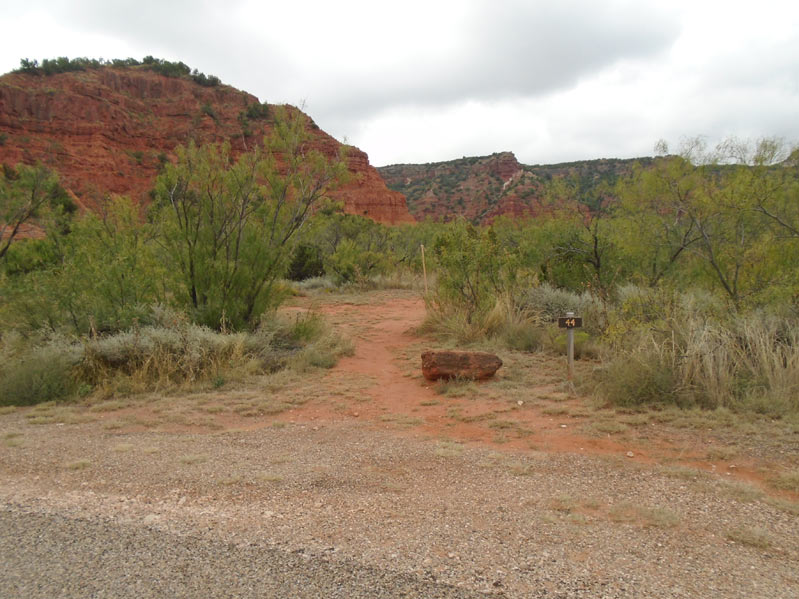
(193, 459)
(750, 362)
(78, 465)
(171, 352)
(456, 387)
(37, 372)
(741, 491)
(563, 503)
(523, 323)
(786, 481)
(448, 449)
(13, 439)
(751, 537)
(605, 427)
(658, 517)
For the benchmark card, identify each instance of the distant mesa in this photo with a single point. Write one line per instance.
(107, 128)
(482, 188)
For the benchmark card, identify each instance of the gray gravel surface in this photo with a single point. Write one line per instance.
(344, 508)
(51, 556)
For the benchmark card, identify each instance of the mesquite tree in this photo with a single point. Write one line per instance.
(228, 225)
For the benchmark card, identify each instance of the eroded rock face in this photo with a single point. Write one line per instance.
(107, 131)
(459, 364)
(479, 188)
(483, 188)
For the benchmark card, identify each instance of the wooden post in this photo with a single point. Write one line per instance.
(424, 270)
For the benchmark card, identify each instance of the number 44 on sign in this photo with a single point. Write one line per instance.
(570, 322)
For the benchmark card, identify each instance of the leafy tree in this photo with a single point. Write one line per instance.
(724, 218)
(406, 241)
(652, 227)
(474, 269)
(352, 263)
(584, 235)
(352, 247)
(63, 64)
(228, 225)
(306, 262)
(771, 170)
(111, 272)
(100, 276)
(25, 193)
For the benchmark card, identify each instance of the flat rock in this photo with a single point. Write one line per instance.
(459, 364)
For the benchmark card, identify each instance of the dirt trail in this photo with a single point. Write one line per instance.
(382, 384)
(387, 357)
(388, 353)
(377, 355)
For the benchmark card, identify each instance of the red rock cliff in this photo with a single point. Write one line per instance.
(106, 131)
(477, 188)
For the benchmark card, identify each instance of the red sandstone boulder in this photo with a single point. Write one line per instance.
(465, 364)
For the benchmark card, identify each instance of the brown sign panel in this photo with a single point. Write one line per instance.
(570, 322)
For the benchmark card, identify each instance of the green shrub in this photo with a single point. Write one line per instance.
(524, 336)
(205, 80)
(209, 110)
(584, 345)
(474, 272)
(257, 111)
(315, 283)
(165, 353)
(351, 263)
(552, 303)
(306, 263)
(158, 356)
(174, 352)
(647, 377)
(39, 374)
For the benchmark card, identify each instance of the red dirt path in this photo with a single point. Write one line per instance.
(397, 396)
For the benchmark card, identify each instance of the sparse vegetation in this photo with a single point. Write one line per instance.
(63, 64)
(78, 465)
(170, 353)
(751, 537)
(787, 481)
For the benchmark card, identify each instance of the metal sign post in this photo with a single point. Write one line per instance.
(570, 346)
(570, 322)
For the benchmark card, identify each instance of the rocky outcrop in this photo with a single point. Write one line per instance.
(478, 188)
(484, 188)
(108, 130)
(459, 364)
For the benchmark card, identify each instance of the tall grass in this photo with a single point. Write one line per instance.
(658, 346)
(748, 362)
(507, 322)
(398, 278)
(522, 321)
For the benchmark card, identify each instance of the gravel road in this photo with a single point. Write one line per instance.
(344, 510)
(48, 556)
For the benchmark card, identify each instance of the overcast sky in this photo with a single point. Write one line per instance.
(430, 80)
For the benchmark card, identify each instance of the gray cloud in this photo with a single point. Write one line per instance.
(571, 79)
(203, 34)
(511, 49)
